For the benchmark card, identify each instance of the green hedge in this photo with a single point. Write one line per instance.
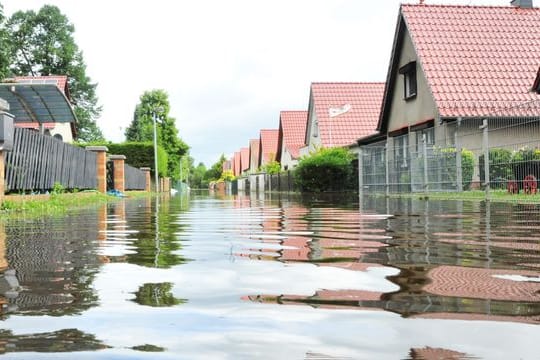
(137, 154)
(325, 170)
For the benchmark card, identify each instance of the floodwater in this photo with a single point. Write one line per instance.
(275, 277)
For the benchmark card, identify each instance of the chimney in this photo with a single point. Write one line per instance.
(524, 4)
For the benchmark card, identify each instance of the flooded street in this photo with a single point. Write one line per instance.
(275, 277)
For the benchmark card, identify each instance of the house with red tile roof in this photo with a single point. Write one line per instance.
(340, 113)
(291, 137)
(451, 67)
(254, 146)
(41, 102)
(244, 160)
(268, 146)
(227, 165)
(236, 163)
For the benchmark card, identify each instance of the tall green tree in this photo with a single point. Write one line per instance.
(215, 171)
(5, 49)
(42, 44)
(156, 103)
(197, 177)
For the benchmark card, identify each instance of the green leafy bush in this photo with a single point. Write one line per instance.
(500, 168)
(448, 158)
(273, 167)
(138, 154)
(325, 170)
(526, 154)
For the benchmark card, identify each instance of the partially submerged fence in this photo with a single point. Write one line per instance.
(37, 162)
(135, 179)
(414, 162)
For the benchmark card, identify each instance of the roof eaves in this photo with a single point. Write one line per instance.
(390, 76)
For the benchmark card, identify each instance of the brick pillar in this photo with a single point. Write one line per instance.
(119, 178)
(148, 186)
(101, 166)
(166, 184)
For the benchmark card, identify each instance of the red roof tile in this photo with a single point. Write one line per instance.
(268, 145)
(227, 165)
(478, 60)
(346, 111)
(59, 80)
(236, 164)
(244, 159)
(254, 145)
(292, 127)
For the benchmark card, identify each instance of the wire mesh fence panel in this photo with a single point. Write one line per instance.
(509, 138)
(373, 169)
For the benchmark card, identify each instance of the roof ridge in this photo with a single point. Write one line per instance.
(347, 82)
(470, 6)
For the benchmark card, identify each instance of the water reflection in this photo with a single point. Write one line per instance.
(157, 295)
(276, 277)
(468, 259)
(66, 340)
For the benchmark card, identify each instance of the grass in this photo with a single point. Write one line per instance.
(476, 195)
(35, 206)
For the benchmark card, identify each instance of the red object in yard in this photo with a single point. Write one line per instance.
(529, 184)
(512, 187)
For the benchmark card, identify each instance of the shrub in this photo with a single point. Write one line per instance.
(325, 170)
(448, 155)
(500, 169)
(273, 167)
(138, 154)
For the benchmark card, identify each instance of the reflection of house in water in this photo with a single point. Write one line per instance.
(324, 237)
(465, 265)
(458, 260)
(429, 353)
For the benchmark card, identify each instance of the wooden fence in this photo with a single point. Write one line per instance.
(135, 179)
(37, 162)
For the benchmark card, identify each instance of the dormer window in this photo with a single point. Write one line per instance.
(409, 80)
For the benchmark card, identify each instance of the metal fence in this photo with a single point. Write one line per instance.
(419, 161)
(37, 162)
(135, 179)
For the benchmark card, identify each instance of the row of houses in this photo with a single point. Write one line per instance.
(454, 70)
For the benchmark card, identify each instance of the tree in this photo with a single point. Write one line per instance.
(214, 173)
(197, 178)
(42, 45)
(156, 103)
(5, 51)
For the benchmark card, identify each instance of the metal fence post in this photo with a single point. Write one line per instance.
(459, 173)
(424, 154)
(387, 175)
(360, 176)
(485, 148)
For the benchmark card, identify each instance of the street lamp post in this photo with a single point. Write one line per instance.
(154, 118)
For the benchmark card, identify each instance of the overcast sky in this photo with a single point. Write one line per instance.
(231, 66)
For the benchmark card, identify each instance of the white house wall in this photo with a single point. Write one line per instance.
(64, 130)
